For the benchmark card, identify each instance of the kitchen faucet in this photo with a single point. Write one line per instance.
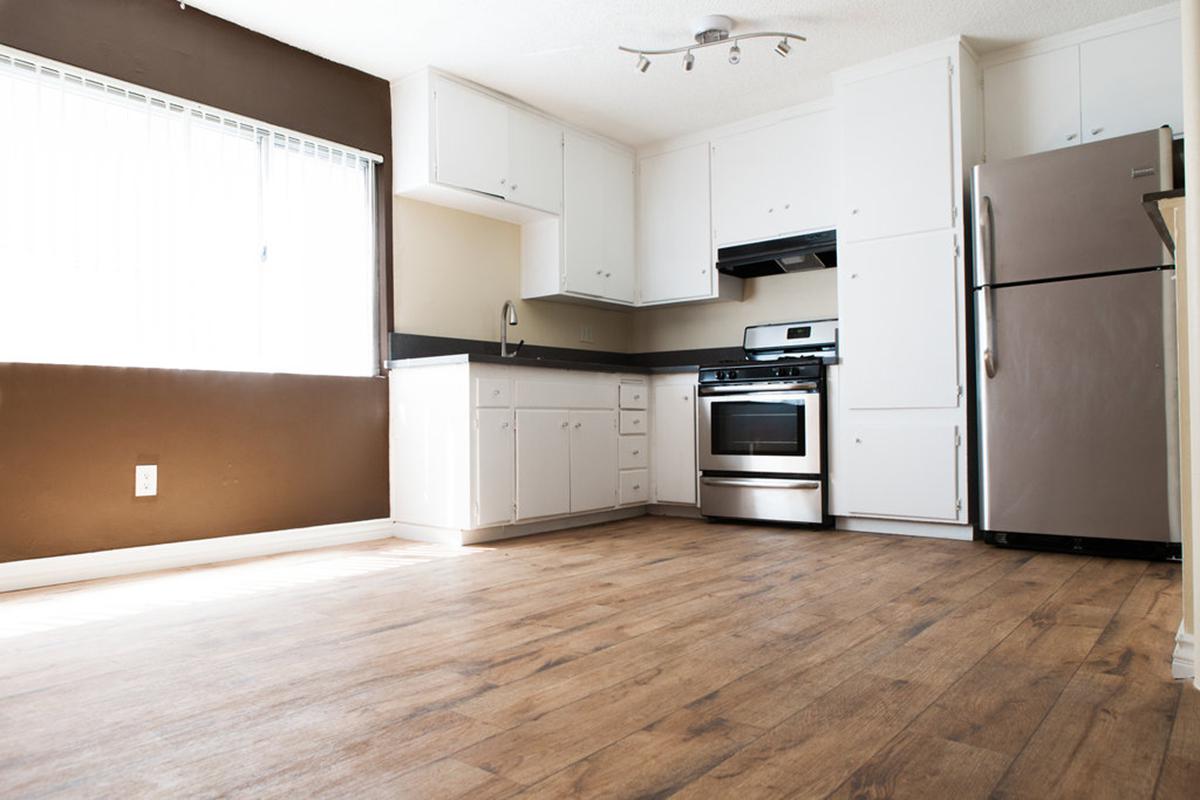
(508, 316)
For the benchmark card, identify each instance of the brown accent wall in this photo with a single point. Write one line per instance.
(237, 452)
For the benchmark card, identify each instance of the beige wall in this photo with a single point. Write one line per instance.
(779, 298)
(454, 270)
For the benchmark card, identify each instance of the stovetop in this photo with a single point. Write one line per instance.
(804, 368)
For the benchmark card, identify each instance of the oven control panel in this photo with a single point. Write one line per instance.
(756, 372)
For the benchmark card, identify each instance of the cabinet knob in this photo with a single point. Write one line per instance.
(854, 212)
(495, 392)
(513, 187)
(608, 274)
(853, 275)
(704, 271)
(565, 424)
(637, 421)
(686, 397)
(1072, 137)
(770, 211)
(637, 486)
(857, 440)
(503, 181)
(1097, 131)
(637, 397)
(786, 206)
(504, 426)
(578, 424)
(637, 452)
(599, 272)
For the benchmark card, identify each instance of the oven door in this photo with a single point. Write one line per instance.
(774, 431)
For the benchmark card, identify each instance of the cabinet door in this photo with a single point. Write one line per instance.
(1032, 104)
(535, 166)
(593, 460)
(898, 303)
(806, 181)
(743, 184)
(898, 153)
(543, 464)
(1132, 82)
(494, 466)
(584, 163)
(620, 273)
(898, 469)
(673, 451)
(471, 135)
(674, 254)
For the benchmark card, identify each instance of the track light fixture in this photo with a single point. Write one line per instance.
(714, 30)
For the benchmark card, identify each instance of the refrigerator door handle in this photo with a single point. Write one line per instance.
(983, 279)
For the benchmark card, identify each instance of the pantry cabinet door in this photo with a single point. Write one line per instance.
(543, 464)
(593, 460)
(902, 468)
(535, 161)
(471, 139)
(1132, 82)
(495, 462)
(1031, 105)
(674, 257)
(899, 330)
(898, 153)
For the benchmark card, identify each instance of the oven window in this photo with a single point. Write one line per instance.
(759, 428)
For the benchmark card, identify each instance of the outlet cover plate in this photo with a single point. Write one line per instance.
(145, 480)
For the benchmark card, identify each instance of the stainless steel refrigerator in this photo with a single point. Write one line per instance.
(1075, 345)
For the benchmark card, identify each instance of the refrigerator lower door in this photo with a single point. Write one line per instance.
(1077, 427)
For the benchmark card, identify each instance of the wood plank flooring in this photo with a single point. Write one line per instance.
(646, 658)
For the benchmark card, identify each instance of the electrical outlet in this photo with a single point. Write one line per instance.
(145, 480)
(585, 333)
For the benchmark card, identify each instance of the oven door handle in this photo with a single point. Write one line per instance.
(762, 483)
(743, 389)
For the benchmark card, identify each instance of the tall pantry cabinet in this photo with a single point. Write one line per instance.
(909, 129)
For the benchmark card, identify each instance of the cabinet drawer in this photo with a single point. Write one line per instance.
(633, 422)
(633, 395)
(492, 393)
(635, 486)
(633, 452)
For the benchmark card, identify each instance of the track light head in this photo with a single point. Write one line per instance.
(689, 61)
(643, 63)
(783, 48)
(735, 55)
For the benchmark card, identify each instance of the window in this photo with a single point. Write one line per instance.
(143, 230)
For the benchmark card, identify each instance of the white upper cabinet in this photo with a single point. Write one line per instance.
(775, 181)
(535, 165)
(1032, 104)
(1119, 78)
(471, 139)
(674, 248)
(1132, 82)
(598, 220)
(898, 153)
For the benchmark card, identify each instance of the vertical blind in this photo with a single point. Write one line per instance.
(143, 230)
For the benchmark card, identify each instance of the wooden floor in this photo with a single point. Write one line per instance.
(647, 658)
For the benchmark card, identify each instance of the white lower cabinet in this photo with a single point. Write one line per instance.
(543, 463)
(902, 469)
(494, 466)
(593, 460)
(673, 442)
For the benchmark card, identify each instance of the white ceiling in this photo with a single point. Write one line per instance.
(561, 55)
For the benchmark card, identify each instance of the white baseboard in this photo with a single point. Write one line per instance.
(935, 530)
(1183, 662)
(15, 575)
(453, 536)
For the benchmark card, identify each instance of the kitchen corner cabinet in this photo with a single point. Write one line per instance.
(1112, 84)
(912, 124)
(775, 181)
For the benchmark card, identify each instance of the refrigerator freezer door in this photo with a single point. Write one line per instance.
(1074, 211)
(1074, 427)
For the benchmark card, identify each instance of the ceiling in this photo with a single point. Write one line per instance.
(561, 55)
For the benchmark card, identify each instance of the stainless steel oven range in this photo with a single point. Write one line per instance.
(762, 426)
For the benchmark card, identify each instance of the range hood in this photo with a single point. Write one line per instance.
(778, 256)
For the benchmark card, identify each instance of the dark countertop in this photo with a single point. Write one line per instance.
(1150, 203)
(413, 350)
